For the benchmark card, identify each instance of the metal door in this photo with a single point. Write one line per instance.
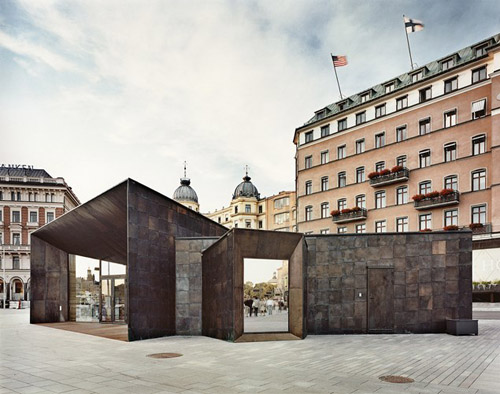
(380, 300)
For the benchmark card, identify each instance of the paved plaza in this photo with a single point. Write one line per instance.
(277, 322)
(38, 359)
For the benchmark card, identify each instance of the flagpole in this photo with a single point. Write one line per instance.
(336, 76)
(408, 42)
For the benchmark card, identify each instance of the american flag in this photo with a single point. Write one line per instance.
(339, 61)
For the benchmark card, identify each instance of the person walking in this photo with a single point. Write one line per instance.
(255, 306)
(270, 306)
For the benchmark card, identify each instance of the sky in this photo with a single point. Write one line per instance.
(97, 92)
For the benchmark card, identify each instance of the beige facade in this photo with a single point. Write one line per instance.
(250, 211)
(29, 198)
(440, 123)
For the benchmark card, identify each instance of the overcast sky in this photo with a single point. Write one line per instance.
(98, 91)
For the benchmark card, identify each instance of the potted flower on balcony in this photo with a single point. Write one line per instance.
(355, 209)
(373, 175)
(385, 172)
(474, 226)
(425, 230)
(346, 210)
(335, 212)
(446, 192)
(432, 194)
(418, 197)
(396, 169)
(451, 227)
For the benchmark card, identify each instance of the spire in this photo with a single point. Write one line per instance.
(185, 181)
(185, 168)
(246, 178)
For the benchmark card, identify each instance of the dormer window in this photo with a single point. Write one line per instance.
(447, 64)
(480, 50)
(342, 105)
(322, 113)
(365, 97)
(417, 76)
(389, 87)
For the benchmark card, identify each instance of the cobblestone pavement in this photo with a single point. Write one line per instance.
(37, 359)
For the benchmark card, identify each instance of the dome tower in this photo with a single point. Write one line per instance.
(185, 194)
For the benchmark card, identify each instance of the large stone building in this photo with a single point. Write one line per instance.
(29, 198)
(431, 133)
(248, 210)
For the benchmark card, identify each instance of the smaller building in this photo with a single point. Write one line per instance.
(248, 210)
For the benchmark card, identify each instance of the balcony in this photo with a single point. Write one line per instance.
(437, 201)
(401, 175)
(480, 230)
(352, 216)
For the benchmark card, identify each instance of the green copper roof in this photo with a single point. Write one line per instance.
(430, 70)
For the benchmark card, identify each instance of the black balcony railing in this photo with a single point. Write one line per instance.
(351, 216)
(394, 177)
(484, 229)
(438, 201)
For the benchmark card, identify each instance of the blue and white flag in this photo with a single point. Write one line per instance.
(413, 25)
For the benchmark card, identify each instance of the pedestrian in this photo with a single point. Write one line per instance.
(255, 306)
(248, 306)
(270, 306)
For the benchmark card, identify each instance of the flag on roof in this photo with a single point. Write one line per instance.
(339, 61)
(413, 25)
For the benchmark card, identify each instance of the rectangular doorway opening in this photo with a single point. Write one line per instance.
(380, 300)
(265, 296)
(113, 293)
(87, 293)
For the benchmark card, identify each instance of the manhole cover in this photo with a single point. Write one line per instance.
(396, 379)
(164, 355)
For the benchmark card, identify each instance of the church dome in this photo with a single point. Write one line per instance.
(246, 189)
(185, 192)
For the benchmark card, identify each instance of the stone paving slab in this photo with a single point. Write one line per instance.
(37, 359)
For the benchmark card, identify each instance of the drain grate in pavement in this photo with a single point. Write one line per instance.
(396, 379)
(164, 355)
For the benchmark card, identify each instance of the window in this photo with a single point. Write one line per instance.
(47, 197)
(1, 216)
(236, 209)
(380, 111)
(401, 133)
(451, 182)
(380, 199)
(261, 225)
(342, 124)
(379, 140)
(447, 64)
(424, 158)
(479, 74)
(451, 217)
(1, 195)
(16, 239)
(365, 97)
(361, 201)
(50, 216)
(16, 262)
(16, 216)
(341, 152)
(360, 174)
(425, 94)
(341, 230)
(360, 146)
(248, 208)
(248, 224)
(417, 76)
(325, 210)
(281, 218)
(361, 228)
(324, 183)
(324, 231)
(279, 203)
(309, 213)
(450, 118)
(361, 117)
(1, 240)
(342, 179)
(401, 161)
(325, 130)
(33, 216)
(309, 136)
(341, 105)
(425, 221)
(389, 87)
(450, 152)
(324, 156)
(219, 219)
(381, 226)
(479, 214)
(401, 102)
(424, 187)
(481, 50)
(424, 126)
(402, 195)
(402, 224)
(13, 196)
(308, 162)
(450, 85)
(478, 145)
(260, 206)
(379, 166)
(479, 180)
(309, 187)
(341, 204)
(479, 109)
